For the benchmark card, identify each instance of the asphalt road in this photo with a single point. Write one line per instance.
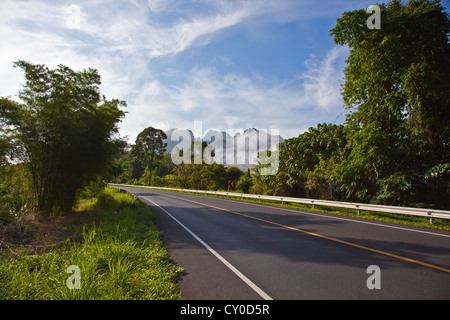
(238, 250)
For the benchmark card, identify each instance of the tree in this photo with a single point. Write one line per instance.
(149, 146)
(66, 132)
(268, 184)
(231, 174)
(304, 163)
(397, 91)
(149, 149)
(133, 169)
(215, 176)
(245, 182)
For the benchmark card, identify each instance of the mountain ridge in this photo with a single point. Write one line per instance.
(231, 148)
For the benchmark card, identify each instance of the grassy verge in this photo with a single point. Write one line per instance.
(423, 222)
(119, 255)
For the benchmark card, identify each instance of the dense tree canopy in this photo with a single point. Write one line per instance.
(61, 134)
(397, 91)
(63, 129)
(149, 146)
(394, 145)
(392, 148)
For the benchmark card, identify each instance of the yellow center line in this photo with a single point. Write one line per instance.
(321, 236)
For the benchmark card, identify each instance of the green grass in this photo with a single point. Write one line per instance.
(120, 256)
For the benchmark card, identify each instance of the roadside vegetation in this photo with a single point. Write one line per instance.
(59, 140)
(393, 147)
(114, 243)
(62, 234)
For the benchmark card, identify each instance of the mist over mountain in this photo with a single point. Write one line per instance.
(230, 148)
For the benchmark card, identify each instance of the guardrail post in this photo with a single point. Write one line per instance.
(312, 204)
(431, 216)
(358, 209)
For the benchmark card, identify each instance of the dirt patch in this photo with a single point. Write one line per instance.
(36, 235)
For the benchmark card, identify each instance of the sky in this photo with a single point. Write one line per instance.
(231, 64)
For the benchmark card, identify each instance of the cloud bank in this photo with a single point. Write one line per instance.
(125, 40)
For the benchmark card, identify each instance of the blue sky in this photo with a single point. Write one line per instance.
(232, 64)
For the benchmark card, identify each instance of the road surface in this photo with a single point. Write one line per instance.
(239, 250)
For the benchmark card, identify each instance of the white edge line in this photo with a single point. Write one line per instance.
(258, 290)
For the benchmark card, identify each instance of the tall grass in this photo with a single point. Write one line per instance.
(120, 257)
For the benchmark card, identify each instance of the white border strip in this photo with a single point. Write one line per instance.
(258, 290)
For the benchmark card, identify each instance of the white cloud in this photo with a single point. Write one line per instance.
(131, 30)
(121, 38)
(156, 5)
(234, 101)
(322, 79)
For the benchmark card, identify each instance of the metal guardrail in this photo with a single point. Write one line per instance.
(423, 212)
